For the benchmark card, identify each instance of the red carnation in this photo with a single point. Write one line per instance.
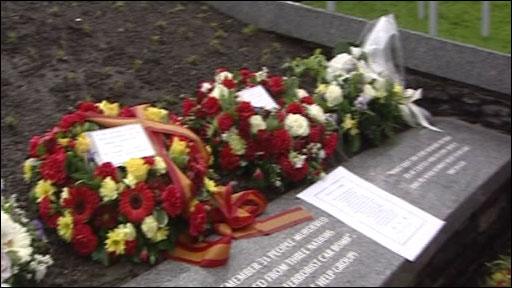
(84, 240)
(330, 142)
(211, 106)
(229, 83)
(53, 168)
(281, 116)
(105, 170)
(228, 160)
(105, 217)
(197, 220)
(246, 74)
(83, 202)
(47, 213)
(67, 121)
(244, 129)
(251, 150)
(136, 203)
(33, 144)
(295, 108)
(281, 142)
(292, 173)
(87, 106)
(187, 106)
(244, 110)
(276, 85)
(307, 100)
(225, 121)
(172, 201)
(315, 133)
(130, 247)
(127, 112)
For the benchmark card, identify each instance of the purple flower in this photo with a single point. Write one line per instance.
(361, 102)
(39, 228)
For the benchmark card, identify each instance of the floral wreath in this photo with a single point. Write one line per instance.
(148, 208)
(272, 147)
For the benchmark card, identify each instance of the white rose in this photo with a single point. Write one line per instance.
(333, 95)
(222, 76)
(219, 90)
(149, 226)
(340, 65)
(205, 87)
(297, 125)
(368, 74)
(262, 75)
(302, 93)
(257, 123)
(316, 112)
(380, 87)
(356, 52)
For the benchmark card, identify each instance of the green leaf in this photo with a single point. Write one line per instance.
(161, 217)
(341, 47)
(272, 123)
(354, 143)
(100, 255)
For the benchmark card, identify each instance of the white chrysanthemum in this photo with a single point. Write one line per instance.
(15, 238)
(340, 65)
(302, 93)
(205, 87)
(219, 90)
(316, 112)
(40, 265)
(149, 226)
(297, 159)
(297, 125)
(356, 52)
(262, 75)
(257, 123)
(222, 76)
(333, 95)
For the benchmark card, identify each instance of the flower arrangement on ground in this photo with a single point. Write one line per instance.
(272, 147)
(25, 257)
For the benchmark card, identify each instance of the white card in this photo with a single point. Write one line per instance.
(381, 216)
(119, 144)
(258, 97)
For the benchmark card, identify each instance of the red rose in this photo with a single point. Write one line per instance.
(172, 201)
(53, 168)
(276, 85)
(211, 106)
(292, 173)
(47, 213)
(315, 133)
(84, 240)
(127, 112)
(229, 83)
(228, 160)
(225, 121)
(197, 220)
(105, 170)
(244, 129)
(307, 100)
(246, 75)
(264, 136)
(330, 142)
(67, 121)
(187, 106)
(295, 108)
(244, 110)
(281, 142)
(33, 144)
(87, 106)
(131, 247)
(251, 150)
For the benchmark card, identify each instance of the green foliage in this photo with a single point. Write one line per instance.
(314, 66)
(249, 30)
(292, 84)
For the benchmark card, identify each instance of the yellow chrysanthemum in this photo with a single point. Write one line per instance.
(159, 166)
(178, 147)
(398, 89)
(149, 226)
(65, 226)
(63, 141)
(109, 109)
(321, 89)
(350, 125)
(44, 188)
(210, 185)
(28, 169)
(130, 181)
(156, 114)
(137, 168)
(115, 241)
(128, 230)
(161, 234)
(82, 144)
(109, 189)
(63, 195)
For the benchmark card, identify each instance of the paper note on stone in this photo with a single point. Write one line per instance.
(383, 217)
(258, 97)
(119, 144)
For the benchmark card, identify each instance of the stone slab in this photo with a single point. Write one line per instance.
(476, 162)
(452, 60)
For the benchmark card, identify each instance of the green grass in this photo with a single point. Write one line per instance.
(457, 20)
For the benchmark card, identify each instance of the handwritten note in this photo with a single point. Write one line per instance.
(383, 217)
(258, 97)
(119, 144)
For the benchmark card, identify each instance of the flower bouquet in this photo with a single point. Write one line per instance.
(25, 255)
(145, 209)
(285, 144)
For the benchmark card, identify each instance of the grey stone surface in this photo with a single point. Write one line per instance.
(450, 197)
(465, 63)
